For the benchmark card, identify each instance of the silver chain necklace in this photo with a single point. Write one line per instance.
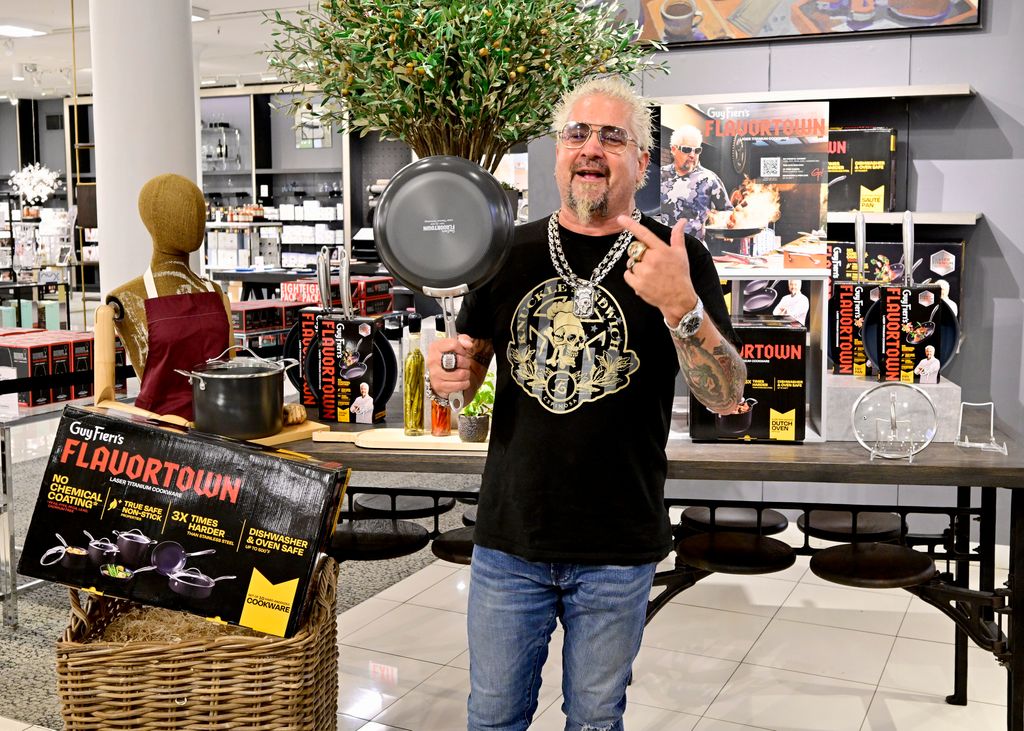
(583, 290)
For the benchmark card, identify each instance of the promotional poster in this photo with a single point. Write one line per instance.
(750, 180)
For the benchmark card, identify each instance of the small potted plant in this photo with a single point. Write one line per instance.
(513, 193)
(475, 417)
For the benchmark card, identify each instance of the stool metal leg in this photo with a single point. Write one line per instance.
(962, 544)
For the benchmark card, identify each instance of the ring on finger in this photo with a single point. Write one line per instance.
(636, 250)
(630, 263)
(449, 361)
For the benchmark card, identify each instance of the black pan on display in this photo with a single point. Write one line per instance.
(733, 233)
(444, 227)
(947, 323)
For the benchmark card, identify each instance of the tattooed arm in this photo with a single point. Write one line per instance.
(712, 368)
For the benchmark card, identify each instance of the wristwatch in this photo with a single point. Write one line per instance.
(689, 323)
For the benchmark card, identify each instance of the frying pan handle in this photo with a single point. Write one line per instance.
(908, 248)
(345, 277)
(860, 239)
(456, 400)
(323, 277)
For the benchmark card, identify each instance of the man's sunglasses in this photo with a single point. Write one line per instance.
(687, 150)
(612, 139)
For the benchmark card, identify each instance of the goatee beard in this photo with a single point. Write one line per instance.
(586, 210)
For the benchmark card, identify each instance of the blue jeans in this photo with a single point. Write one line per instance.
(513, 605)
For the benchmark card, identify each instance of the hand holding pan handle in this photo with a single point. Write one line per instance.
(446, 298)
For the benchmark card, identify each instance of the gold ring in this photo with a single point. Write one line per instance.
(630, 263)
(636, 249)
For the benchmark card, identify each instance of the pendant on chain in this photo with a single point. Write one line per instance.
(583, 300)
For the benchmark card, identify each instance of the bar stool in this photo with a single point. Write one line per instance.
(372, 539)
(744, 520)
(838, 526)
(869, 557)
(733, 540)
(469, 515)
(455, 545)
(402, 506)
(873, 565)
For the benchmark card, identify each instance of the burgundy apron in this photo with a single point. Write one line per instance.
(185, 330)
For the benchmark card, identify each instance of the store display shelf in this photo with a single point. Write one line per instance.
(858, 92)
(233, 225)
(298, 171)
(211, 173)
(960, 218)
(771, 273)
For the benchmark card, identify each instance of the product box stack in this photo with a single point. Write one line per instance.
(189, 522)
(42, 354)
(265, 322)
(861, 169)
(371, 294)
(774, 405)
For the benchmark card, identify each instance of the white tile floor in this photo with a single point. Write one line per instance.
(785, 651)
(732, 654)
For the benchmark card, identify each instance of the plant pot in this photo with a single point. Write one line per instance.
(474, 428)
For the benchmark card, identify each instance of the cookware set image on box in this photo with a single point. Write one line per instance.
(132, 554)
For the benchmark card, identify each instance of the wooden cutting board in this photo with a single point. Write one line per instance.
(396, 439)
(292, 433)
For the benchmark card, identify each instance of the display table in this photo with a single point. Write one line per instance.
(836, 463)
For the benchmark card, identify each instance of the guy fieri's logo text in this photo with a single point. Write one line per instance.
(152, 471)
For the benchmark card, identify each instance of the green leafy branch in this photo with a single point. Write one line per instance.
(455, 77)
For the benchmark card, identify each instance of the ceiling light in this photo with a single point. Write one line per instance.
(21, 29)
(199, 14)
(3, 97)
(269, 77)
(18, 72)
(208, 82)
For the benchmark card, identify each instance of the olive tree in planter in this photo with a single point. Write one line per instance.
(469, 78)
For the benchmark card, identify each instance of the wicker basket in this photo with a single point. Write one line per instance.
(257, 683)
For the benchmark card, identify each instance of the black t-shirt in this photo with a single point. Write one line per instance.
(576, 466)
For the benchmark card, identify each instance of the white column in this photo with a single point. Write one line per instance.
(144, 111)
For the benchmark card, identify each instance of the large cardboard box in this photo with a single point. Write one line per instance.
(775, 395)
(861, 169)
(187, 521)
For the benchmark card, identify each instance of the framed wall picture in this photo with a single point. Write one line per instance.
(310, 132)
(691, 22)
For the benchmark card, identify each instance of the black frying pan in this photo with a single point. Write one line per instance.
(444, 227)
(947, 323)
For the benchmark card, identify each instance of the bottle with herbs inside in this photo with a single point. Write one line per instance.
(413, 377)
(440, 416)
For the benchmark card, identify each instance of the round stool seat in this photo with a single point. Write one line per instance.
(376, 538)
(469, 515)
(743, 520)
(730, 552)
(873, 565)
(837, 525)
(454, 545)
(406, 506)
